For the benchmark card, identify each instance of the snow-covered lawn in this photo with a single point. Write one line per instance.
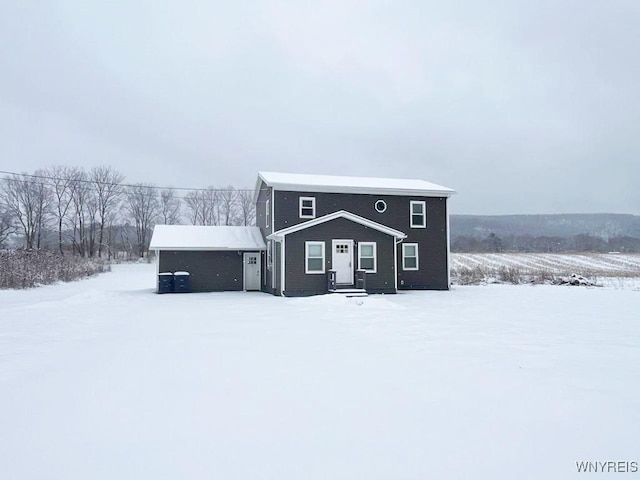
(102, 379)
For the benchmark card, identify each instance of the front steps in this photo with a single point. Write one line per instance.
(350, 292)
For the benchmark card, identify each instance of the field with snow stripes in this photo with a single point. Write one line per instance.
(104, 379)
(593, 265)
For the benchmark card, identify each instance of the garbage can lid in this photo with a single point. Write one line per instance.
(181, 273)
(165, 273)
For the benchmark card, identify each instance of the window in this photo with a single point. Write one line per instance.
(314, 257)
(307, 207)
(418, 214)
(410, 256)
(267, 211)
(367, 259)
(269, 255)
(381, 206)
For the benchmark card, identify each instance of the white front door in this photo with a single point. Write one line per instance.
(342, 260)
(251, 271)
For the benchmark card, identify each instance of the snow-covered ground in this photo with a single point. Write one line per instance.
(102, 379)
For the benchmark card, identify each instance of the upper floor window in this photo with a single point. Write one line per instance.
(307, 207)
(367, 258)
(418, 214)
(267, 212)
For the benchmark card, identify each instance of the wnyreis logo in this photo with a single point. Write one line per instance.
(607, 467)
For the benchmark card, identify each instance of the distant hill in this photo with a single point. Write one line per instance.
(602, 232)
(602, 225)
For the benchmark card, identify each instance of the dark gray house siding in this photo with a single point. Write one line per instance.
(432, 240)
(210, 271)
(298, 283)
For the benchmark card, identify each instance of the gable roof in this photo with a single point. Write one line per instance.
(332, 216)
(198, 237)
(340, 184)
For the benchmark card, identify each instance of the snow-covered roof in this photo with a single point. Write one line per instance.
(340, 184)
(198, 237)
(332, 216)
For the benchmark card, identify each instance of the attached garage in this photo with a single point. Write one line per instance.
(218, 258)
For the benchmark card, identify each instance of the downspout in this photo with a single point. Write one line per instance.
(396, 242)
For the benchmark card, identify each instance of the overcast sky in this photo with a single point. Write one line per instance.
(521, 106)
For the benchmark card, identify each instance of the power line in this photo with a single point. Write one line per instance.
(129, 185)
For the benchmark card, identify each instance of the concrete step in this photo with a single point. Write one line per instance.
(350, 292)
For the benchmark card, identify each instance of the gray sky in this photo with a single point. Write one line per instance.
(521, 106)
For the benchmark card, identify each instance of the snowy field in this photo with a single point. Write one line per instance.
(587, 264)
(102, 379)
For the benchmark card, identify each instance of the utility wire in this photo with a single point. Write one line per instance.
(94, 182)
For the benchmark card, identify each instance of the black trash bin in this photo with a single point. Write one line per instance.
(181, 282)
(165, 282)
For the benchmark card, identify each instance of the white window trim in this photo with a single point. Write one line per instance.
(375, 257)
(313, 206)
(267, 213)
(269, 255)
(404, 247)
(306, 258)
(424, 213)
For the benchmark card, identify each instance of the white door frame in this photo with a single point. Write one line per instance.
(244, 269)
(351, 252)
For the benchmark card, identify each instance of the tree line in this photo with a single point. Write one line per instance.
(544, 244)
(95, 213)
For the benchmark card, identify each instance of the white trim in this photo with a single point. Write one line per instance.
(306, 258)
(313, 207)
(375, 206)
(244, 270)
(424, 213)
(375, 257)
(283, 273)
(332, 216)
(395, 262)
(448, 247)
(404, 267)
(351, 252)
(157, 270)
(269, 255)
(267, 213)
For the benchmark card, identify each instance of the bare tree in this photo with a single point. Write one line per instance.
(7, 224)
(143, 207)
(169, 207)
(28, 201)
(84, 211)
(106, 183)
(61, 179)
(192, 202)
(246, 207)
(203, 207)
(228, 199)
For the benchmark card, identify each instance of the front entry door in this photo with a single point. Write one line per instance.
(342, 261)
(251, 271)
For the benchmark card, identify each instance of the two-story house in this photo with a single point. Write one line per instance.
(320, 233)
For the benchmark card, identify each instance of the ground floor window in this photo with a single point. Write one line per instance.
(410, 256)
(314, 257)
(367, 258)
